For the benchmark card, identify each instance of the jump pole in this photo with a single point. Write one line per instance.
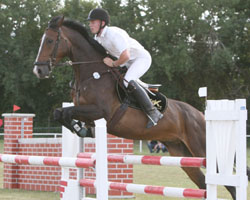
(151, 160)
(47, 161)
(150, 189)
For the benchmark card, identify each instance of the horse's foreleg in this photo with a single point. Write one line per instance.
(58, 116)
(85, 113)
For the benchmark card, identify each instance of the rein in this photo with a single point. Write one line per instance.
(70, 63)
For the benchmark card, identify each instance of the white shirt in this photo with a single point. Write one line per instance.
(115, 40)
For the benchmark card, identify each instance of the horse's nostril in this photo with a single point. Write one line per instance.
(39, 71)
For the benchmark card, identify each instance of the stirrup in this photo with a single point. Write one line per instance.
(151, 122)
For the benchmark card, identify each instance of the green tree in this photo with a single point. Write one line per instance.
(193, 43)
(23, 23)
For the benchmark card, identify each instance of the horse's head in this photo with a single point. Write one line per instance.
(52, 48)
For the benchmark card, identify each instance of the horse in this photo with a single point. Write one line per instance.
(181, 130)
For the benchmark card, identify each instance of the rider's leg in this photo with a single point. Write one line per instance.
(142, 97)
(137, 68)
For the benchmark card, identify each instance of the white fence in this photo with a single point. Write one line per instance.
(225, 140)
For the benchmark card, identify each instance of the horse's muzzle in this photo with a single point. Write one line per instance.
(41, 71)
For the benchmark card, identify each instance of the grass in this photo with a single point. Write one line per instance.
(143, 174)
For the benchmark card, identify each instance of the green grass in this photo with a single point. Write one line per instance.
(143, 174)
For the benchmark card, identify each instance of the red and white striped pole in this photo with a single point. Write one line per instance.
(49, 161)
(152, 160)
(149, 189)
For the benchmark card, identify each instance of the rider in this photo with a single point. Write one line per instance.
(128, 52)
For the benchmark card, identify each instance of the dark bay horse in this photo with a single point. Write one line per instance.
(182, 129)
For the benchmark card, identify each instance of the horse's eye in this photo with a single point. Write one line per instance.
(50, 41)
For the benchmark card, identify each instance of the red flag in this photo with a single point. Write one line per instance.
(15, 108)
(1, 122)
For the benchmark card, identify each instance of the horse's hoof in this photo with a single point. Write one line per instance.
(82, 133)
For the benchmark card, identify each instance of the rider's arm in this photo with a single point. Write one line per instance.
(124, 57)
(118, 43)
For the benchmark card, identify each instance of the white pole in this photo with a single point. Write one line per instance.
(241, 162)
(70, 148)
(140, 146)
(81, 171)
(101, 160)
(211, 159)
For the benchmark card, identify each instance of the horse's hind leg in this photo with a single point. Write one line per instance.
(195, 174)
(248, 173)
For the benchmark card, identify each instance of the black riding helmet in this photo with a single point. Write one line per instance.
(99, 13)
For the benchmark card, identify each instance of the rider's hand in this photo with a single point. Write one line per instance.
(108, 61)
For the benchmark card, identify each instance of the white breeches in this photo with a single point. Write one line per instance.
(137, 67)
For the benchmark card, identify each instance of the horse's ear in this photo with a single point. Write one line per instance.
(60, 22)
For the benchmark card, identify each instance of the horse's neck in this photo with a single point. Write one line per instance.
(103, 89)
(82, 51)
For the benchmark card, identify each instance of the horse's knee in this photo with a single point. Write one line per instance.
(58, 114)
(67, 114)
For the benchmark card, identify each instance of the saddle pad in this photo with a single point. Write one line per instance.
(159, 100)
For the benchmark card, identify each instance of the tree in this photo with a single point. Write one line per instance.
(193, 43)
(23, 23)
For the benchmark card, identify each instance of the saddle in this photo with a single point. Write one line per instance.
(158, 99)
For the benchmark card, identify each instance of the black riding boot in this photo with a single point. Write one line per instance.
(142, 98)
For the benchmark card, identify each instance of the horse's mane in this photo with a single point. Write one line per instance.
(80, 29)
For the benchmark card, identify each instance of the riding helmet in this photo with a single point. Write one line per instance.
(99, 13)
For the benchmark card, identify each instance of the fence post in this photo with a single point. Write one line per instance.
(101, 160)
(71, 144)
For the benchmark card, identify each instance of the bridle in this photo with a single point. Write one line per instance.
(51, 63)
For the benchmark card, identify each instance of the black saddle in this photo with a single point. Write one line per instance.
(158, 99)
